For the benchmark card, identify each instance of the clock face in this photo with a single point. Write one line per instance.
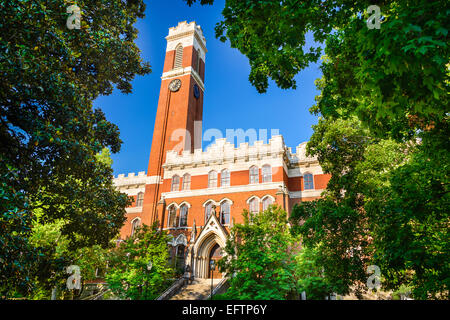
(196, 91)
(175, 85)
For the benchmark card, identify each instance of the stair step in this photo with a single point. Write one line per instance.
(197, 290)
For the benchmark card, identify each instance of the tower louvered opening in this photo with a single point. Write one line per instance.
(178, 57)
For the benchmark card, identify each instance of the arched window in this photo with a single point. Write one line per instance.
(198, 61)
(309, 181)
(172, 219)
(178, 59)
(186, 181)
(135, 224)
(225, 212)
(266, 173)
(140, 199)
(225, 178)
(179, 262)
(183, 215)
(175, 183)
(212, 179)
(254, 205)
(266, 203)
(254, 174)
(208, 210)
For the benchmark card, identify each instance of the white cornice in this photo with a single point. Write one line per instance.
(133, 210)
(222, 190)
(179, 72)
(305, 193)
(132, 179)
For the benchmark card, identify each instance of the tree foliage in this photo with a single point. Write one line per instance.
(310, 275)
(383, 131)
(260, 258)
(49, 132)
(128, 275)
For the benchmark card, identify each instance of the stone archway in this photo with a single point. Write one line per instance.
(211, 236)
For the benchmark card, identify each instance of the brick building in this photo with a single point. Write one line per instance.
(197, 195)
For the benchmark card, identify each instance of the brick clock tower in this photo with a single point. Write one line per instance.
(180, 108)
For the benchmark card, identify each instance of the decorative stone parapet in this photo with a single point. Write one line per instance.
(223, 151)
(131, 179)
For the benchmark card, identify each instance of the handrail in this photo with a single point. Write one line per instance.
(168, 291)
(217, 287)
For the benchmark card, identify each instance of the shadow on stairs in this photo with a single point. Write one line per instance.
(199, 289)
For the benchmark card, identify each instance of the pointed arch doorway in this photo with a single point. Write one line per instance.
(208, 244)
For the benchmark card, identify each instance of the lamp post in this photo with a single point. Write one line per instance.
(212, 267)
(149, 268)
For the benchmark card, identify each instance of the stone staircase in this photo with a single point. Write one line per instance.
(199, 289)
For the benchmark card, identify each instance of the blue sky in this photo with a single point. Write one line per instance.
(230, 101)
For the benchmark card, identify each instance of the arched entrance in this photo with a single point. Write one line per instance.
(207, 245)
(216, 255)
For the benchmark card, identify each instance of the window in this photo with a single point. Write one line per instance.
(212, 179)
(254, 205)
(225, 178)
(186, 182)
(208, 210)
(254, 174)
(309, 181)
(266, 173)
(175, 183)
(183, 215)
(266, 203)
(140, 199)
(180, 257)
(198, 61)
(135, 224)
(178, 60)
(172, 221)
(225, 213)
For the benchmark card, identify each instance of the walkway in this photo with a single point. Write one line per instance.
(199, 289)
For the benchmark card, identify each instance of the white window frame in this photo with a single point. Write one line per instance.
(253, 176)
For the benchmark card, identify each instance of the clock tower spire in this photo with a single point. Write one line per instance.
(180, 108)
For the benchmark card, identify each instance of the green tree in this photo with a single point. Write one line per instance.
(387, 201)
(310, 275)
(49, 133)
(260, 257)
(128, 275)
(391, 77)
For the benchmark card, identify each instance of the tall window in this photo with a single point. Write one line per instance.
(183, 215)
(254, 174)
(309, 181)
(172, 221)
(186, 181)
(212, 179)
(225, 178)
(175, 183)
(140, 199)
(225, 213)
(134, 225)
(266, 203)
(178, 60)
(180, 256)
(198, 61)
(208, 210)
(266, 173)
(254, 205)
